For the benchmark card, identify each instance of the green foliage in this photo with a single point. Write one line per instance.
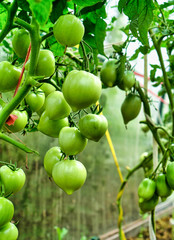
(3, 14)
(141, 15)
(61, 232)
(100, 34)
(83, 3)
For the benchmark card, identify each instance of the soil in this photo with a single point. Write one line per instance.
(163, 231)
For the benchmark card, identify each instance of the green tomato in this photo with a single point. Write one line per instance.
(56, 106)
(13, 181)
(146, 189)
(170, 174)
(45, 65)
(148, 205)
(9, 76)
(9, 232)
(21, 42)
(51, 127)
(35, 99)
(162, 187)
(71, 141)
(127, 81)
(69, 175)
(131, 107)
(20, 122)
(52, 156)
(93, 126)
(47, 88)
(81, 89)
(68, 30)
(6, 211)
(108, 73)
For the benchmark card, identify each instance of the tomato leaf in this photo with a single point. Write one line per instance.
(140, 12)
(57, 11)
(11, 119)
(55, 47)
(92, 8)
(23, 4)
(100, 34)
(3, 13)
(41, 9)
(83, 3)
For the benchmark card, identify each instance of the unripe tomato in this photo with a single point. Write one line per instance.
(93, 126)
(56, 106)
(108, 73)
(68, 30)
(20, 122)
(170, 174)
(128, 81)
(51, 127)
(21, 42)
(71, 140)
(9, 76)
(81, 89)
(148, 205)
(52, 156)
(131, 107)
(146, 188)
(47, 88)
(9, 232)
(35, 99)
(69, 175)
(13, 181)
(162, 187)
(6, 211)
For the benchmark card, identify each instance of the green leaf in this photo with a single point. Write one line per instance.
(144, 49)
(41, 9)
(92, 8)
(55, 47)
(58, 8)
(24, 16)
(82, 3)
(24, 5)
(100, 34)
(140, 12)
(135, 55)
(3, 16)
(167, 4)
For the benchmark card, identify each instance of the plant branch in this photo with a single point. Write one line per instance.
(22, 23)
(74, 58)
(46, 36)
(11, 11)
(17, 144)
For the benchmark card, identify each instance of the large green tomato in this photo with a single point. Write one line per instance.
(68, 30)
(108, 73)
(71, 141)
(146, 188)
(170, 174)
(81, 89)
(9, 232)
(127, 81)
(13, 181)
(21, 42)
(51, 127)
(47, 88)
(45, 65)
(162, 187)
(93, 126)
(6, 211)
(35, 99)
(148, 205)
(69, 175)
(9, 76)
(52, 156)
(131, 107)
(56, 106)
(20, 122)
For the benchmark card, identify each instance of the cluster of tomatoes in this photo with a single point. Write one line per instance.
(150, 189)
(12, 180)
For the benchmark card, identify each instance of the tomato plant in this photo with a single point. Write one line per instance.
(21, 42)
(69, 175)
(6, 211)
(93, 126)
(52, 156)
(9, 231)
(13, 180)
(68, 30)
(71, 140)
(81, 89)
